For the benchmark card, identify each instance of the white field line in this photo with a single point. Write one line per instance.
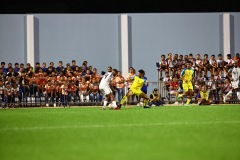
(118, 125)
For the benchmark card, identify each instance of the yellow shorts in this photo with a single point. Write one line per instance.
(187, 86)
(137, 92)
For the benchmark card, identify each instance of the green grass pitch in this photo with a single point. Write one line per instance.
(167, 133)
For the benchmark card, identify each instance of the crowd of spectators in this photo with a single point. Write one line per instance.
(60, 85)
(213, 72)
(72, 84)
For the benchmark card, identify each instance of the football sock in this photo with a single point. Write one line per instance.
(105, 104)
(123, 100)
(145, 102)
(188, 101)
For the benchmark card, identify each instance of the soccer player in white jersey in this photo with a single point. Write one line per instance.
(106, 89)
(234, 81)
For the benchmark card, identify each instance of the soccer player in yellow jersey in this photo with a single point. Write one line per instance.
(136, 89)
(186, 76)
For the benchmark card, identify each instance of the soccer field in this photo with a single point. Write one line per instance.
(168, 133)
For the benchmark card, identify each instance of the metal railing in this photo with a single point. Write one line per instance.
(29, 97)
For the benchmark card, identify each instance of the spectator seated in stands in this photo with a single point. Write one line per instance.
(204, 97)
(166, 81)
(94, 91)
(174, 86)
(163, 65)
(155, 99)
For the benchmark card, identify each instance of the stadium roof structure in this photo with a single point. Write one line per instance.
(117, 6)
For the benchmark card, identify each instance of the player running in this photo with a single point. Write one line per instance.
(136, 89)
(106, 89)
(186, 76)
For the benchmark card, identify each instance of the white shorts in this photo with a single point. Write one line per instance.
(105, 89)
(235, 84)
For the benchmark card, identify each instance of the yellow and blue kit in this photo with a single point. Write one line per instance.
(187, 75)
(137, 85)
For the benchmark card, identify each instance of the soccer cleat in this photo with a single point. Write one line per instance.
(116, 108)
(119, 105)
(103, 108)
(147, 107)
(179, 96)
(187, 105)
(176, 103)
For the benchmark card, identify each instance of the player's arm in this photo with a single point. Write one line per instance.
(151, 98)
(182, 74)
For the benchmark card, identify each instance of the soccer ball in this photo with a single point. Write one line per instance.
(110, 106)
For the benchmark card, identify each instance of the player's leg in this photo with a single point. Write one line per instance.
(190, 93)
(103, 91)
(189, 97)
(105, 102)
(185, 91)
(128, 94)
(112, 97)
(143, 95)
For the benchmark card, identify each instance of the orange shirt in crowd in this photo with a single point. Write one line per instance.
(237, 59)
(121, 80)
(130, 77)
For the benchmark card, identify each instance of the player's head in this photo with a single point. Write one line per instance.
(109, 69)
(188, 64)
(141, 73)
(114, 72)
